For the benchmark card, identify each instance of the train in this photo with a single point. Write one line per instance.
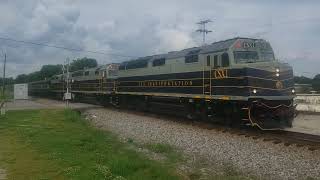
(237, 81)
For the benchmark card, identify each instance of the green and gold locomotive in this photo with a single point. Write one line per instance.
(236, 81)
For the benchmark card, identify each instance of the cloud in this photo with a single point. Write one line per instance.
(172, 39)
(143, 27)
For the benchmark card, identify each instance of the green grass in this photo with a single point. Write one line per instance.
(59, 144)
(173, 155)
(160, 148)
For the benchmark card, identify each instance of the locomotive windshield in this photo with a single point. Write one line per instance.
(251, 51)
(266, 55)
(245, 56)
(252, 56)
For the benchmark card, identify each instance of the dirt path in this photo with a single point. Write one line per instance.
(2, 174)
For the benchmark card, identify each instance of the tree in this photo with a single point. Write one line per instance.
(7, 80)
(83, 63)
(21, 78)
(302, 80)
(35, 76)
(48, 71)
(316, 82)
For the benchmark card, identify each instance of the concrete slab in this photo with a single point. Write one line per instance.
(40, 103)
(308, 102)
(24, 104)
(307, 123)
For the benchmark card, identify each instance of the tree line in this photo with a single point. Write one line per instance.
(47, 71)
(315, 81)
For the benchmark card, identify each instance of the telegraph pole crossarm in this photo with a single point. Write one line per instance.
(203, 29)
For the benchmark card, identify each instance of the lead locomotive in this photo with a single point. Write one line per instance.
(236, 81)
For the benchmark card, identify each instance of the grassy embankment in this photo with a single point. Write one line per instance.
(59, 144)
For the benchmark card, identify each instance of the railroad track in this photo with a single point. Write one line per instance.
(288, 138)
(303, 139)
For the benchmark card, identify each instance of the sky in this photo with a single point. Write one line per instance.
(136, 28)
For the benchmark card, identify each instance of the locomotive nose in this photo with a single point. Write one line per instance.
(271, 81)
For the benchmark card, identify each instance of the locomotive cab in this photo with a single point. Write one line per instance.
(245, 72)
(271, 79)
(269, 83)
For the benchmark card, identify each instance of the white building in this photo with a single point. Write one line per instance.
(20, 91)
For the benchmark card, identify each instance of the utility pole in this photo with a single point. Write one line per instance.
(203, 29)
(4, 74)
(68, 95)
(63, 74)
(2, 106)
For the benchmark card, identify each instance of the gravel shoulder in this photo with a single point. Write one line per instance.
(256, 157)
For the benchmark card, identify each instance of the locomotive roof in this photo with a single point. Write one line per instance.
(99, 67)
(214, 47)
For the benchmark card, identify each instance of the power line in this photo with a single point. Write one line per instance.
(64, 48)
(203, 29)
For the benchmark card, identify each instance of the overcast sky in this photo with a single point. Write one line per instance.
(145, 27)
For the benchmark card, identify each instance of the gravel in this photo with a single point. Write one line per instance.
(251, 156)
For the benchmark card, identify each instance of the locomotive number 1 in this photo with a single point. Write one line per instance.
(220, 73)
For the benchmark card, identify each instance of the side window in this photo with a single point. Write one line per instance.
(86, 73)
(138, 63)
(122, 66)
(159, 62)
(96, 73)
(225, 60)
(215, 59)
(192, 56)
(208, 60)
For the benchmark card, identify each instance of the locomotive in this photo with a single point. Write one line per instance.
(236, 81)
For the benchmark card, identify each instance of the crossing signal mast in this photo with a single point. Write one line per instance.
(203, 29)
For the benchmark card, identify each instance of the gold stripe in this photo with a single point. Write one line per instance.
(232, 77)
(216, 87)
(254, 87)
(160, 86)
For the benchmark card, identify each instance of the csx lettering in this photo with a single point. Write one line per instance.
(249, 45)
(220, 73)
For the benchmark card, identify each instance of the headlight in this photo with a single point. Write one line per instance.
(293, 91)
(254, 91)
(277, 74)
(277, 70)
